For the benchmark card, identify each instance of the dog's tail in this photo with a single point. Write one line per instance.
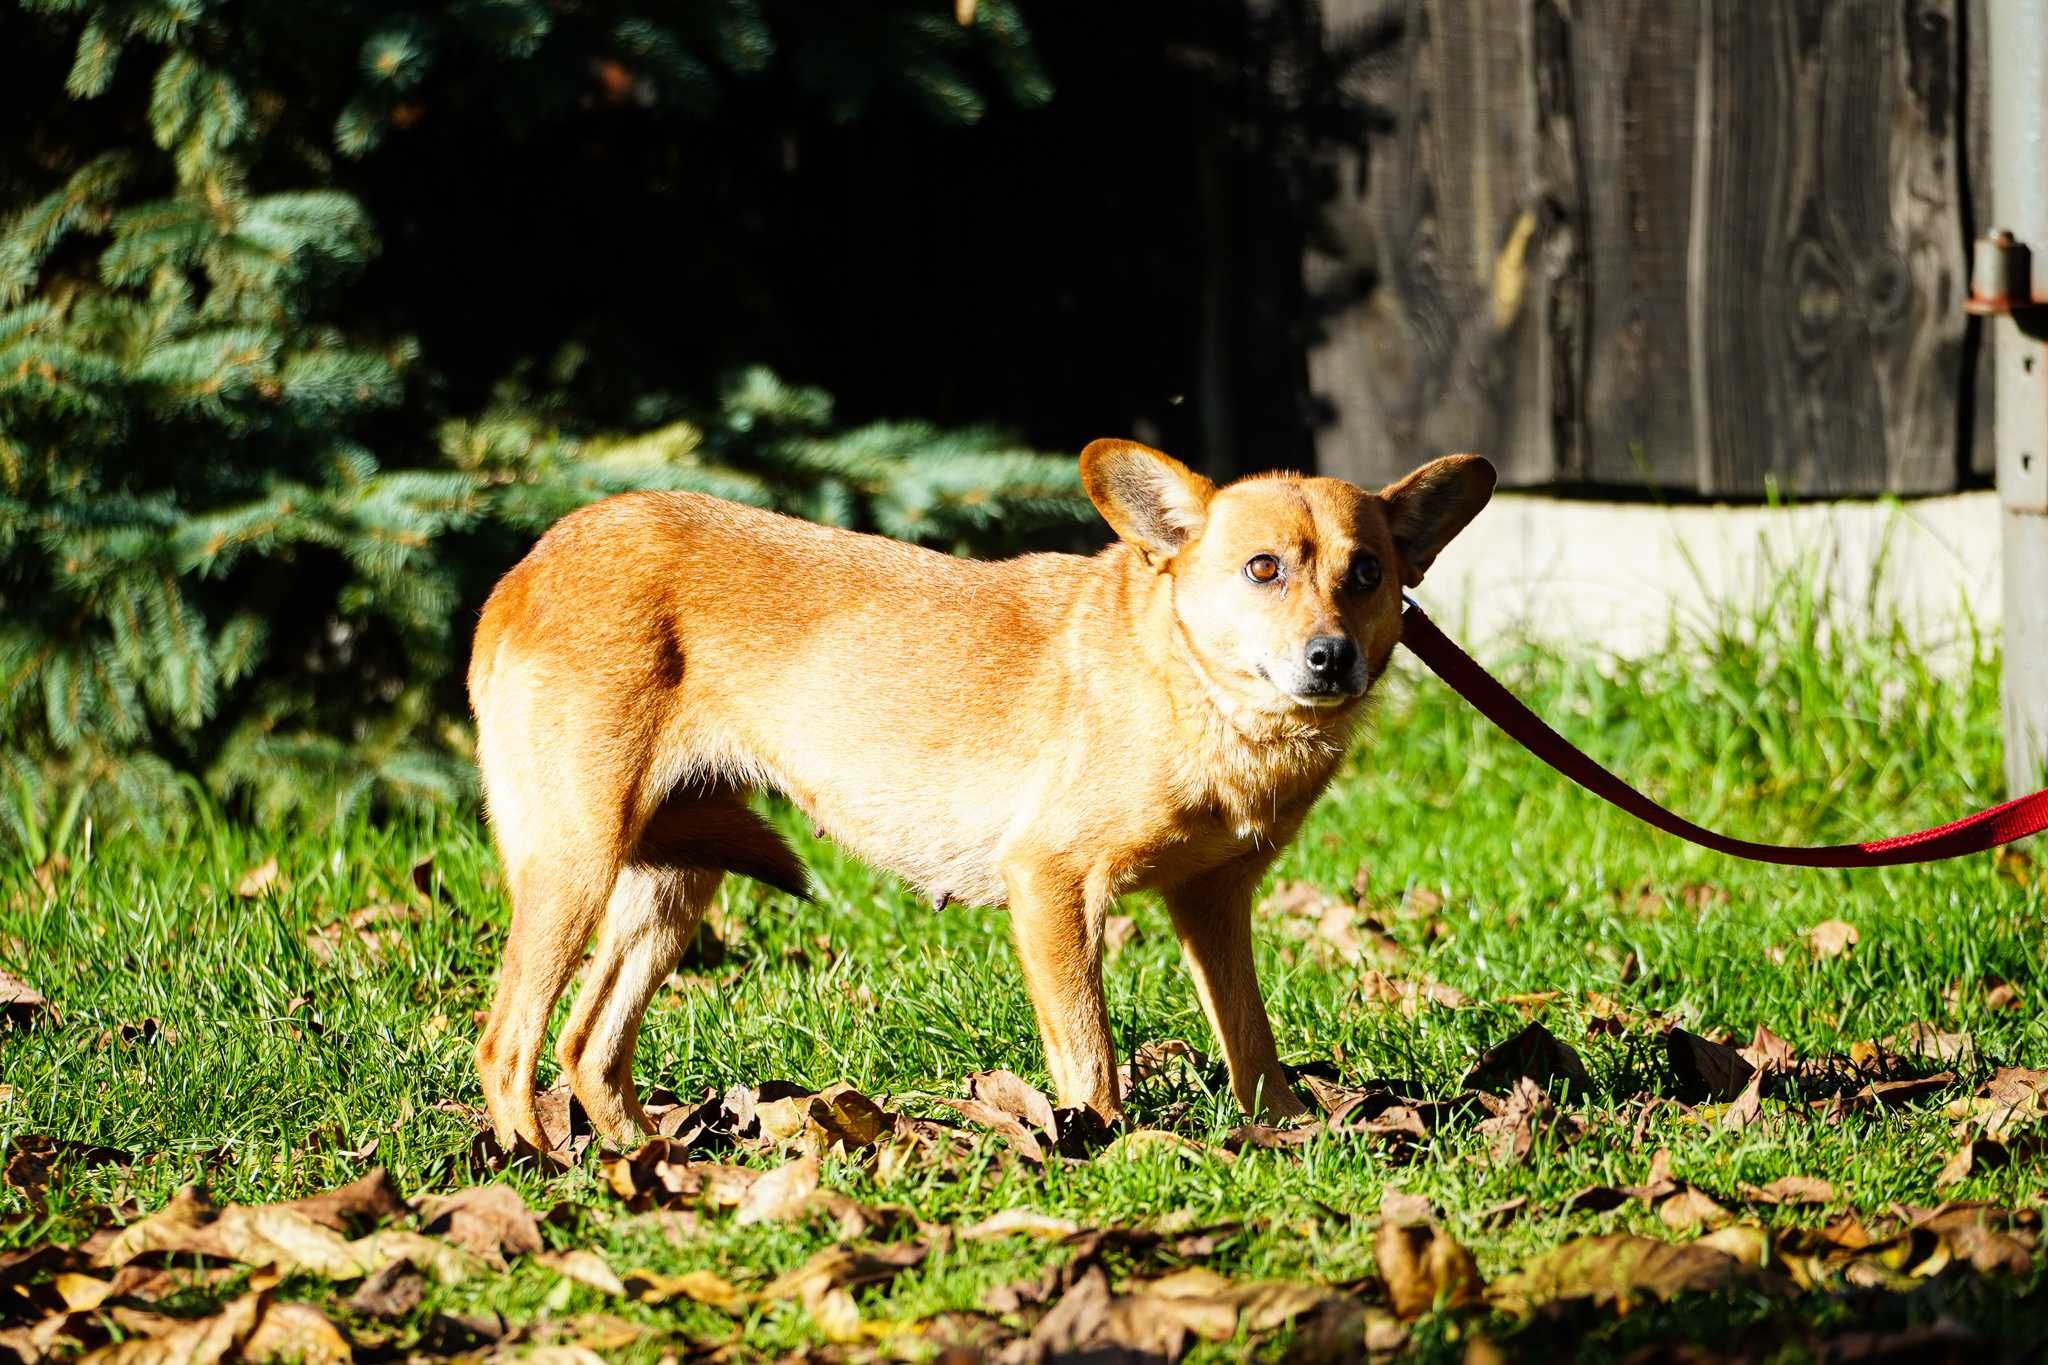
(727, 836)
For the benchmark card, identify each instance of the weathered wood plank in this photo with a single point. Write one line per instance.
(1637, 123)
(1826, 340)
(1442, 218)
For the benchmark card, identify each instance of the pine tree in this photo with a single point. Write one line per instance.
(235, 541)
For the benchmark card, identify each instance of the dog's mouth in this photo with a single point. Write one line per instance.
(1319, 695)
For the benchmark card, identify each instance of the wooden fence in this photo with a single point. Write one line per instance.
(1697, 246)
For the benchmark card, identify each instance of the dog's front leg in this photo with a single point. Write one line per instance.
(1213, 916)
(1056, 917)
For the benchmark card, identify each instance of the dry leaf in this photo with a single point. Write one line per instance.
(1791, 1189)
(1978, 1154)
(1424, 1266)
(1769, 1053)
(391, 1293)
(1118, 933)
(22, 1005)
(1925, 1040)
(1015, 1096)
(1405, 994)
(700, 1286)
(1706, 1070)
(781, 1194)
(257, 879)
(1535, 1053)
(584, 1267)
(1830, 938)
(489, 1220)
(1620, 1269)
(1017, 1223)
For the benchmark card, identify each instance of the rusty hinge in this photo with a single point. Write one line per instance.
(2001, 276)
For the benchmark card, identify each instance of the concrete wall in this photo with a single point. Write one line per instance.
(1612, 577)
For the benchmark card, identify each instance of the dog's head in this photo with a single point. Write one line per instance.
(1287, 589)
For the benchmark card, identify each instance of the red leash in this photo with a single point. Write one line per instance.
(2016, 819)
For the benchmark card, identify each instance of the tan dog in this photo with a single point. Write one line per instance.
(1045, 732)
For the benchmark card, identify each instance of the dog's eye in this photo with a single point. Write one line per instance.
(1262, 568)
(1365, 574)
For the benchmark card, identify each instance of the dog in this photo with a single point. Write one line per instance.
(1045, 732)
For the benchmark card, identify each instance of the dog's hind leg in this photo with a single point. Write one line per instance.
(556, 901)
(686, 847)
(654, 909)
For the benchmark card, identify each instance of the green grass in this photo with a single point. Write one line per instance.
(1776, 724)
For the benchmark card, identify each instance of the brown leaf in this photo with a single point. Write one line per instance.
(1424, 1266)
(2000, 994)
(296, 1332)
(257, 879)
(276, 1235)
(842, 1119)
(1089, 1322)
(1017, 1222)
(1791, 1189)
(781, 1194)
(391, 1293)
(1769, 1053)
(1830, 938)
(699, 1286)
(1747, 1106)
(1706, 1070)
(356, 1206)
(22, 1005)
(489, 1220)
(1533, 1003)
(1902, 1092)
(1528, 1116)
(1978, 1154)
(1925, 1040)
(1407, 994)
(1149, 1060)
(1620, 1269)
(1534, 1053)
(1691, 1207)
(585, 1267)
(1141, 1140)
(1405, 1210)
(1015, 1096)
(1021, 1140)
(1118, 933)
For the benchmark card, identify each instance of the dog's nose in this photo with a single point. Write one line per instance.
(1330, 656)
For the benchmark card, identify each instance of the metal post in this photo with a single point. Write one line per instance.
(2014, 301)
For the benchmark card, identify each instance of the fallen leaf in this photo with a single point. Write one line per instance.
(1406, 1210)
(22, 1005)
(1978, 1154)
(391, 1293)
(1925, 1040)
(1534, 1053)
(699, 1286)
(1528, 1116)
(1620, 1269)
(585, 1267)
(1017, 1223)
(490, 1220)
(1142, 1140)
(1830, 938)
(2000, 994)
(1706, 1070)
(1791, 1189)
(1747, 1107)
(1118, 933)
(1407, 994)
(781, 1194)
(1089, 1322)
(1015, 1096)
(356, 1206)
(257, 879)
(1423, 1266)
(1769, 1053)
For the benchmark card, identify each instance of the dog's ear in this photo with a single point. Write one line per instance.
(1433, 504)
(1150, 499)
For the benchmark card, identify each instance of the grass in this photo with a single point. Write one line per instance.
(275, 1069)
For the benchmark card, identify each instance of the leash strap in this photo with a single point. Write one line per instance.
(2002, 824)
